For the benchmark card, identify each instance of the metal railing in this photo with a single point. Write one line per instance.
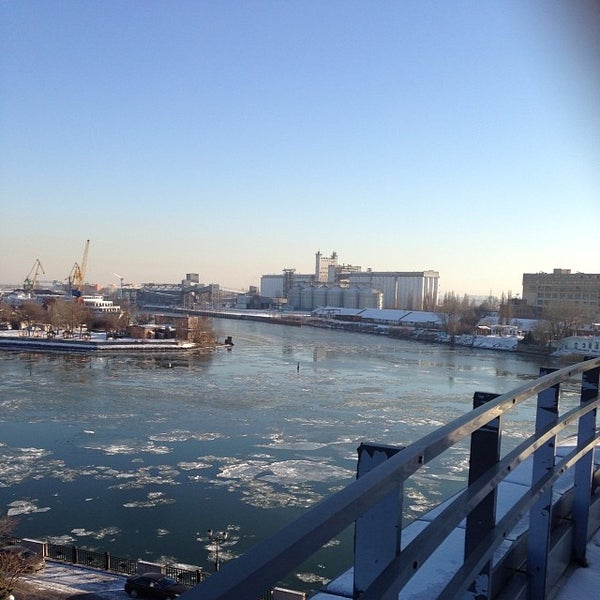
(105, 561)
(185, 576)
(82, 556)
(90, 558)
(382, 570)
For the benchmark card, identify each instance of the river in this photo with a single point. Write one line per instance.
(140, 455)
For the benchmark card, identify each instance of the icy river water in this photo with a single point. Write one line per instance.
(139, 456)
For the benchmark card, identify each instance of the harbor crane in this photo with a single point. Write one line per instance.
(31, 278)
(77, 275)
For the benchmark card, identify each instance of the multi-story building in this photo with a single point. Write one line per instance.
(322, 265)
(278, 286)
(561, 286)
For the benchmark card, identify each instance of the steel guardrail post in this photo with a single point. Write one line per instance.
(377, 532)
(484, 454)
(584, 468)
(540, 516)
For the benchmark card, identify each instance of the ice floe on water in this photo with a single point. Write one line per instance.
(279, 442)
(152, 499)
(60, 540)
(286, 471)
(24, 507)
(312, 578)
(97, 535)
(190, 466)
(122, 448)
(155, 475)
(184, 436)
(301, 471)
(268, 483)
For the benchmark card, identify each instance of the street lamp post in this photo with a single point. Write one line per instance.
(218, 537)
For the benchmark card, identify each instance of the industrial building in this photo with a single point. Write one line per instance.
(349, 286)
(190, 293)
(402, 290)
(540, 290)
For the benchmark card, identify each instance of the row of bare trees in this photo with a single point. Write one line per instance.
(71, 317)
(60, 315)
(558, 320)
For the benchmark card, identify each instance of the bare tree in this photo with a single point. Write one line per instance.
(563, 319)
(30, 313)
(7, 312)
(505, 310)
(12, 566)
(450, 309)
(459, 314)
(69, 315)
(201, 332)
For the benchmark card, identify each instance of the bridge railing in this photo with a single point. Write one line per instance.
(374, 502)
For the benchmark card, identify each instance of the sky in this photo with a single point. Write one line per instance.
(235, 139)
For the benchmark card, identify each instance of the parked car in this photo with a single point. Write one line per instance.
(30, 560)
(153, 585)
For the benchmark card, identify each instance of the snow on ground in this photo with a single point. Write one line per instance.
(584, 582)
(72, 579)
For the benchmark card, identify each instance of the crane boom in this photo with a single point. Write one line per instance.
(77, 275)
(84, 260)
(29, 283)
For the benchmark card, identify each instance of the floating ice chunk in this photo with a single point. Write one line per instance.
(188, 466)
(81, 532)
(153, 499)
(24, 507)
(297, 471)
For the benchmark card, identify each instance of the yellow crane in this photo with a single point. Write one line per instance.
(77, 274)
(31, 278)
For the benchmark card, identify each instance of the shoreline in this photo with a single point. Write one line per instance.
(98, 346)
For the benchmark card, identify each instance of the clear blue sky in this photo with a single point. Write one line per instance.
(234, 139)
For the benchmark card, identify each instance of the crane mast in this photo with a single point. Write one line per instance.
(30, 282)
(77, 274)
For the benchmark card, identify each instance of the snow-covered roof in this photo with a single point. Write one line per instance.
(380, 314)
(522, 324)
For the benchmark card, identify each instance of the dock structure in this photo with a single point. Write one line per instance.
(93, 345)
(523, 520)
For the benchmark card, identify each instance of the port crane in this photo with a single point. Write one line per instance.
(77, 275)
(31, 278)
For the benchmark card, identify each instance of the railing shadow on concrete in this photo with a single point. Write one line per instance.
(515, 548)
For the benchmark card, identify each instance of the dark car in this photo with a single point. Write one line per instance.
(23, 559)
(153, 585)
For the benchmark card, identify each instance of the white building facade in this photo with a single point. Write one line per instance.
(405, 290)
(402, 290)
(322, 265)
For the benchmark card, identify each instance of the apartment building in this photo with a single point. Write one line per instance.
(561, 286)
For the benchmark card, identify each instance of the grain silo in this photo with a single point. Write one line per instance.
(335, 295)
(350, 297)
(306, 298)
